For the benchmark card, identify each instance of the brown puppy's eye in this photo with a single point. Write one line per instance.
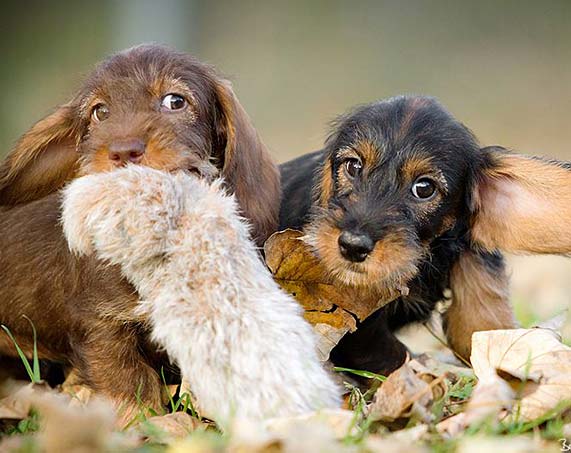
(424, 188)
(353, 167)
(100, 113)
(173, 102)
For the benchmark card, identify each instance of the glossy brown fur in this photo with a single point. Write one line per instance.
(82, 309)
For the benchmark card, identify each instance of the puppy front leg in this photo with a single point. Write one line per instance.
(372, 347)
(110, 361)
(480, 299)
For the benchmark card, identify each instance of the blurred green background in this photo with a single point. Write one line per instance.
(502, 67)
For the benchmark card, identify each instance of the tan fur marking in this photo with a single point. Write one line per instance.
(162, 158)
(417, 166)
(368, 152)
(162, 86)
(524, 206)
(480, 301)
(326, 186)
(447, 223)
(98, 162)
(156, 156)
(392, 262)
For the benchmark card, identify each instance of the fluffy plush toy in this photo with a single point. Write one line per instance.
(240, 342)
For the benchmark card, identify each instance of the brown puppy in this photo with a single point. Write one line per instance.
(147, 105)
(403, 196)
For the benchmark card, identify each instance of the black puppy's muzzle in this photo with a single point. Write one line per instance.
(354, 246)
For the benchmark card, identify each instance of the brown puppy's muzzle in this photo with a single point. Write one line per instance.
(126, 152)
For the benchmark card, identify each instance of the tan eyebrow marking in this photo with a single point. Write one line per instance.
(363, 149)
(418, 166)
(161, 86)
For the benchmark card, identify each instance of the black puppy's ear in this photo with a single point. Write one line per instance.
(521, 204)
(42, 161)
(247, 166)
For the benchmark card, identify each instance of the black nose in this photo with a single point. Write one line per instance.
(355, 246)
(130, 151)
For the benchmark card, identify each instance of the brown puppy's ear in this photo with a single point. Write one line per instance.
(42, 161)
(247, 165)
(522, 204)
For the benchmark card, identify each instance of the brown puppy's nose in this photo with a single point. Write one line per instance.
(123, 153)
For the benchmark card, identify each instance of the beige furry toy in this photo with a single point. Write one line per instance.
(240, 341)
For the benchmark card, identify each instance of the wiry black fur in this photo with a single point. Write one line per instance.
(402, 128)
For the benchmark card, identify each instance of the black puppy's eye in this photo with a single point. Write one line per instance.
(100, 113)
(423, 188)
(173, 102)
(353, 167)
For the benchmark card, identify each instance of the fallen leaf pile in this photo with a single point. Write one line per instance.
(522, 374)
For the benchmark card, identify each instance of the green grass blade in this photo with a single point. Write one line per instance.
(187, 404)
(20, 353)
(174, 406)
(35, 359)
(365, 374)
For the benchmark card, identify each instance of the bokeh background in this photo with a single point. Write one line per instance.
(503, 68)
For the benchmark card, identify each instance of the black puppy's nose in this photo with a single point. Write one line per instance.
(130, 151)
(355, 246)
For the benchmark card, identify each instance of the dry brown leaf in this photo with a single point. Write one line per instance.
(528, 365)
(507, 444)
(439, 367)
(195, 444)
(315, 431)
(299, 272)
(379, 444)
(175, 425)
(534, 361)
(339, 421)
(65, 427)
(80, 394)
(489, 400)
(408, 392)
(250, 436)
(17, 403)
(404, 440)
(556, 323)
(16, 443)
(311, 432)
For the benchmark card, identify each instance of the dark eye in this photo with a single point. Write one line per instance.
(173, 102)
(423, 188)
(353, 167)
(100, 112)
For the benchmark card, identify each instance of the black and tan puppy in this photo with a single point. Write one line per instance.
(403, 196)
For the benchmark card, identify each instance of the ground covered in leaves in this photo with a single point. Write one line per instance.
(515, 396)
